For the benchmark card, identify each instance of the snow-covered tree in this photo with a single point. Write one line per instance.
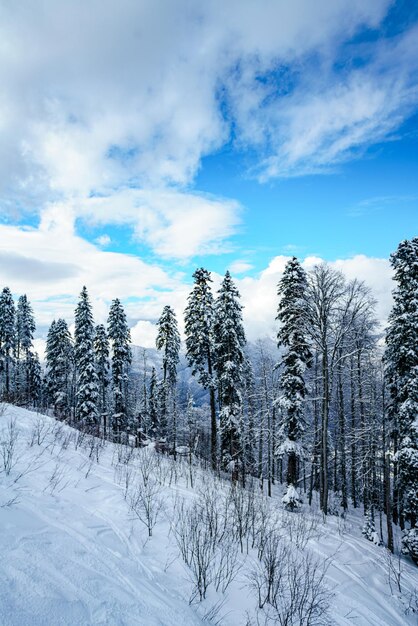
(59, 364)
(7, 338)
(199, 320)
(168, 341)
(153, 404)
(296, 358)
(86, 376)
(101, 351)
(34, 379)
(230, 363)
(402, 374)
(25, 328)
(120, 339)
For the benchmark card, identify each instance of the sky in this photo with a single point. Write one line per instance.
(140, 139)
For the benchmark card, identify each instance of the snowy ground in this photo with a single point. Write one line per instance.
(73, 553)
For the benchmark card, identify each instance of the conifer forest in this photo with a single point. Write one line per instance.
(209, 313)
(328, 416)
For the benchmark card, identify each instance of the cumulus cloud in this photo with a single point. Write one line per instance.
(144, 333)
(144, 288)
(51, 264)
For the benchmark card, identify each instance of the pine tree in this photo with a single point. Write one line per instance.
(86, 376)
(59, 363)
(7, 338)
(168, 341)
(101, 351)
(297, 356)
(120, 338)
(25, 328)
(402, 374)
(230, 362)
(199, 320)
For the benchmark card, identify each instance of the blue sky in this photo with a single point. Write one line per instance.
(141, 140)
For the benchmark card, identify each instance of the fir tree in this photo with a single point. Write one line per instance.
(199, 319)
(168, 341)
(25, 328)
(87, 382)
(59, 363)
(7, 338)
(230, 362)
(34, 379)
(101, 351)
(120, 339)
(297, 356)
(402, 373)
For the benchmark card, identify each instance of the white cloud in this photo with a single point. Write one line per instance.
(51, 264)
(174, 224)
(377, 274)
(330, 117)
(240, 266)
(95, 97)
(103, 240)
(259, 294)
(144, 334)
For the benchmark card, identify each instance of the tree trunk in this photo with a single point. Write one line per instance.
(341, 420)
(324, 435)
(363, 431)
(353, 436)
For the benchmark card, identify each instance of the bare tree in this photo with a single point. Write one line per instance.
(333, 308)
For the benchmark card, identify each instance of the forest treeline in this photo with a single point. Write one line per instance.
(332, 414)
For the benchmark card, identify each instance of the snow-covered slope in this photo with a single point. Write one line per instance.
(73, 552)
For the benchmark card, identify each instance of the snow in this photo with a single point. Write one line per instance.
(73, 554)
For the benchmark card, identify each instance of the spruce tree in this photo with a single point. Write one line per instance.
(295, 360)
(168, 341)
(402, 374)
(25, 328)
(7, 339)
(199, 319)
(230, 364)
(101, 351)
(120, 339)
(86, 376)
(59, 364)
(34, 379)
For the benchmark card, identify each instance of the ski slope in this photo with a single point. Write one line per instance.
(72, 553)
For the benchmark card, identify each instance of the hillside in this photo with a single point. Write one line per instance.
(75, 549)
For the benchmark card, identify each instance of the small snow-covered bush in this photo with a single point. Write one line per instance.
(8, 441)
(369, 529)
(410, 543)
(291, 498)
(290, 586)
